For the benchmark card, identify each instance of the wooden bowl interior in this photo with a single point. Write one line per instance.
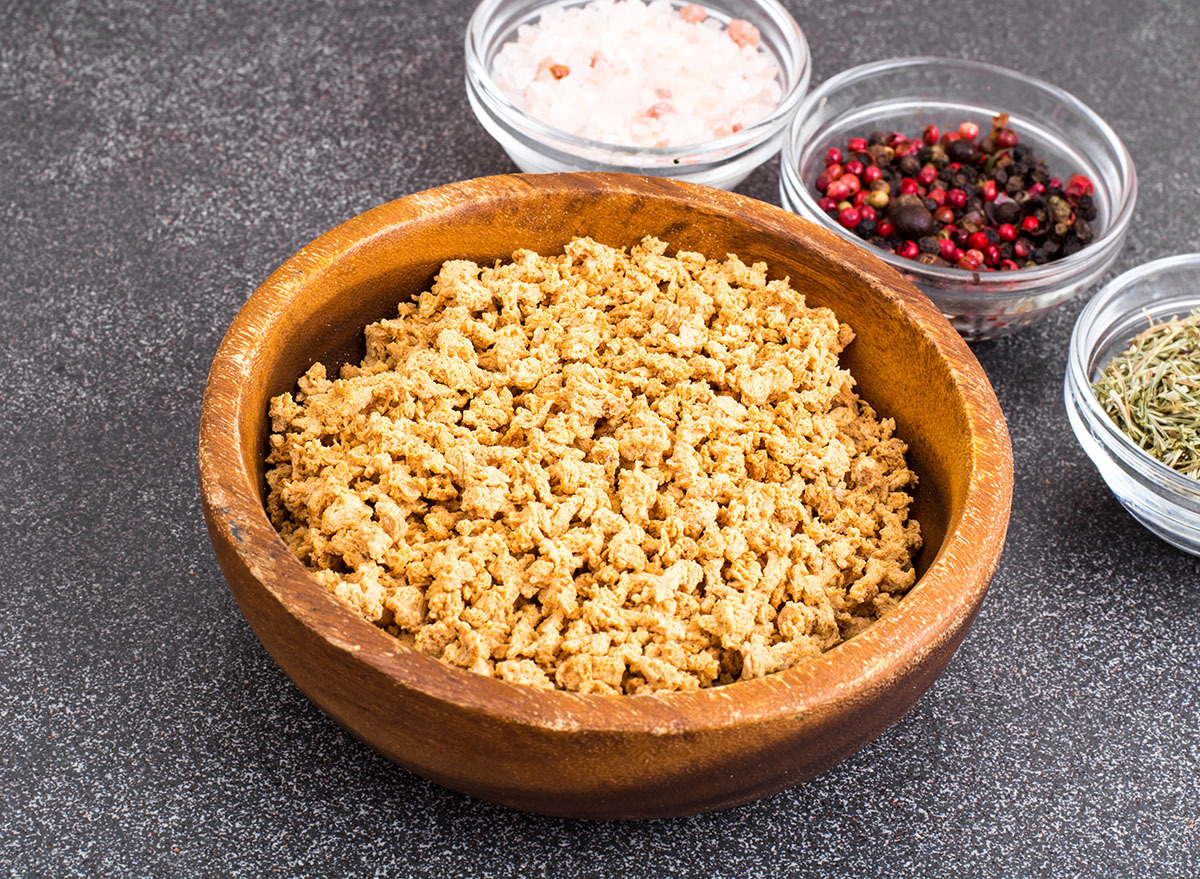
(898, 369)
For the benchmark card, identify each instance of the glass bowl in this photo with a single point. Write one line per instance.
(1164, 500)
(536, 147)
(907, 94)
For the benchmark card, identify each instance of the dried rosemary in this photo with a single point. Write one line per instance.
(1151, 391)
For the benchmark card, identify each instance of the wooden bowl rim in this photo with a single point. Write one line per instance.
(941, 602)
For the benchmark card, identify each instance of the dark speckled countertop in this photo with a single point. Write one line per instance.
(159, 159)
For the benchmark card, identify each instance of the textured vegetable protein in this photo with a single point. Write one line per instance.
(602, 471)
(625, 73)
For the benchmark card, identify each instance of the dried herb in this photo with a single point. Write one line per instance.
(1151, 391)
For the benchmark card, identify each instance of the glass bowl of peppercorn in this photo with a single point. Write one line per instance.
(998, 195)
(1132, 392)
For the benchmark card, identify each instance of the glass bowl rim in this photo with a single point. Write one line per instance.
(795, 44)
(1004, 285)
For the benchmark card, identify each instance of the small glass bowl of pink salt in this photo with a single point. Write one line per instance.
(702, 92)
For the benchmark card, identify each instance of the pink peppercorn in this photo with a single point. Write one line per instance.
(870, 174)
(856, 144)
(851, 181)
(950, 253)
(849, 218)
(973, 259)
(1078, 186)
(885, 228)
(833, 156)
(907, 185)
(837, 190)
(826, 204)
(1006, 138)
(908, 250)
(866, 212)
(956, 198)
(1007, 232)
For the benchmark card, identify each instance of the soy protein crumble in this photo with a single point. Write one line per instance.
(605, 472)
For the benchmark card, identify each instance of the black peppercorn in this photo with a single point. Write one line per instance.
(961, 150)
(865, 228)
(912, 221)
(882, 154)
(1007, 211)
(929, 244)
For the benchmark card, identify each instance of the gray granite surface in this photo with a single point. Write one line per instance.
(159, 159)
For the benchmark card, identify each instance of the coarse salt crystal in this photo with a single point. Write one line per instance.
(625, 72)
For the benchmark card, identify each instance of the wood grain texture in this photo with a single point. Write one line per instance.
(605, 756)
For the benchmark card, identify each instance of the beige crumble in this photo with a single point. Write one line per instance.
(602, 472)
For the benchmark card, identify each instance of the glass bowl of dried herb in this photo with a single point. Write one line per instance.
(1132, 393)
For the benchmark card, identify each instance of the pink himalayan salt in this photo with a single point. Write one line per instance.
(744, 33)
(627, 73)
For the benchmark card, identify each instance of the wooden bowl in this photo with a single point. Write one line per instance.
(605, 756)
